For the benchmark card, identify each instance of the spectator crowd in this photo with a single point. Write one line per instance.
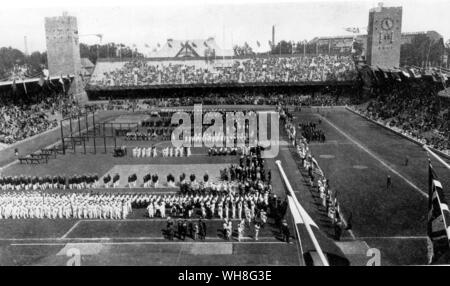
(253, 70)
(416, 112)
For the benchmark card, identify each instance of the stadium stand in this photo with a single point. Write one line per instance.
(250, 70)
(413, 108)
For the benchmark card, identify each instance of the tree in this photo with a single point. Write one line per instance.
(422, 51)
(283, 48)
(10, 57)
(37, 62)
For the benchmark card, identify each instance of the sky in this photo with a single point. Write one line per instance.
(229, 21)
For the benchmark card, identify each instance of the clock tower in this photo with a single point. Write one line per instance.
(384, 36)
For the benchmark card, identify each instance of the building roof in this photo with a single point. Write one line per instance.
(86, 63)
(190, 48)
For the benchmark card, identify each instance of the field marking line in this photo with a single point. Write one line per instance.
(153, 219)
(154, 242)
(375, 157)
(392, 237)
(106, 239)
(71, 229)
(330, 143)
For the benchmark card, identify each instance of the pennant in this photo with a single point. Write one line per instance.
(61, 81)
(14, 87)
(41, 81)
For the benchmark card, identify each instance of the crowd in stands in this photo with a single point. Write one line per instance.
(252, 70)
(20, 121)
(18, 72)
(242, 98)
(22, 117)
(416, 112)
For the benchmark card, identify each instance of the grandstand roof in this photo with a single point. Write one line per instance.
(8, 84)
(190, 48)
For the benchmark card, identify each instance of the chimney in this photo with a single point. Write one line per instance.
(273, 35)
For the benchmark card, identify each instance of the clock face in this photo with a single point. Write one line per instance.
(387, 24)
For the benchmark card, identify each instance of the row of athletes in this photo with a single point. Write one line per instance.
(42, 205)
(224, 151)
(211, 206)
(26, 183)
(151, 134)
(152, 152)
(329, 202)
(328, 199)
(215, 140)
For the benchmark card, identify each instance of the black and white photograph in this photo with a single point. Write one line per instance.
(228, 134)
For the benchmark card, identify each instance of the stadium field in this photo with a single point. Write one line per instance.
(137, 240)
(357, 157)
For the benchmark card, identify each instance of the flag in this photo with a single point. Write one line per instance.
(438, 221)
(61, 81)
(316, 168)
(333, 253)
(258, 44)
(41, 81)
(352, 30)
(14, 87)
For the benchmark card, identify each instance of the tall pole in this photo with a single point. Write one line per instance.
(62, 138)
(301, 214)
(304, 48)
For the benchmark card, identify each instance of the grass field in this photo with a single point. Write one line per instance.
(356, 158)
(137, 240)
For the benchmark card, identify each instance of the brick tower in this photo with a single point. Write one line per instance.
(63, 51)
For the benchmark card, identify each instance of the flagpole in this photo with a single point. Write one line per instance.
(436, 157)
(308, 227)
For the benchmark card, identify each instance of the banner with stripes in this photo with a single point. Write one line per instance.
(438, 221)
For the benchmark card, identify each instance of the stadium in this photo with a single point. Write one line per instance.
(91, 172)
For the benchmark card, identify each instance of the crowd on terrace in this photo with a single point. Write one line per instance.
(23, 117)
(252, 70)
(416, 112)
